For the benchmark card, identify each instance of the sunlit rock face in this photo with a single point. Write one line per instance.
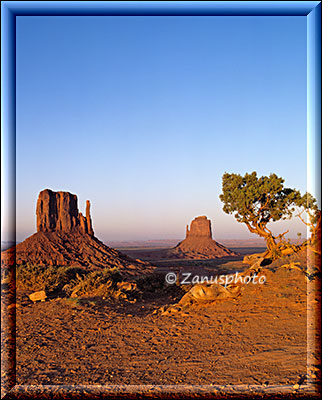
(198, 243)
(66, 237)
(58, 212)
(199, 227)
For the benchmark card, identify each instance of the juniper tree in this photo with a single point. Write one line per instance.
(257, 201)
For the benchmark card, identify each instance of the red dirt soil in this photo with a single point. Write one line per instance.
(259, 338)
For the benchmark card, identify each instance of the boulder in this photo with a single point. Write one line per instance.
(38, 296)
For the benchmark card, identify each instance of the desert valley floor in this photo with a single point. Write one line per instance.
(260, 338)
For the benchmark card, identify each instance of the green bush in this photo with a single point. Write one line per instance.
(42, 277)
(65, 279)
(101, 282)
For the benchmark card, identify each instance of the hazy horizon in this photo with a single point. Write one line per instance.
(143, 115)
(240, 231)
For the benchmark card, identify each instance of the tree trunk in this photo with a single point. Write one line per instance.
(269, 238)
(271, 244)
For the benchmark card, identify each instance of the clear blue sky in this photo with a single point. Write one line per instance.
(143, 115)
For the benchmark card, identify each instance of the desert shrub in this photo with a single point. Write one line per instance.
(99, 282)
(66, 279)
(42, 277)
(152, 282)
(156, 283)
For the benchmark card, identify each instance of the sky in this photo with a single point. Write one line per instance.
(143, 116)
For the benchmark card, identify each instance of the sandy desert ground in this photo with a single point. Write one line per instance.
(259, 338)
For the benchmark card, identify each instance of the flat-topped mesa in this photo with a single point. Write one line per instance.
(58, 212)
(65, 237)
(199, 227)
(199, 243)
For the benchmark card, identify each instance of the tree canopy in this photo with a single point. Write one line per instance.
(257, 201)
(307, 204)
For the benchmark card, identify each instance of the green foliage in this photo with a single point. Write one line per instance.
(65, 279)
(73, 302)
(42, 277)
(257, 200)
(99, 282)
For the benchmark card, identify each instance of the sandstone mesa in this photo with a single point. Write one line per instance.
(66, 237)
(199, 243)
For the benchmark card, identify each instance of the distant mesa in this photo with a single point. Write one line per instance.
(199, 243)
(200, 227)
(66, 237)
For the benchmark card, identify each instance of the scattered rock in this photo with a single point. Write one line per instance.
(38, 296)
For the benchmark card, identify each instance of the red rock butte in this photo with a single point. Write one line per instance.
(199, 243)
(58, 211)
(66, 237)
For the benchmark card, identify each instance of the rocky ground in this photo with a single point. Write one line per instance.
(260, 338)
